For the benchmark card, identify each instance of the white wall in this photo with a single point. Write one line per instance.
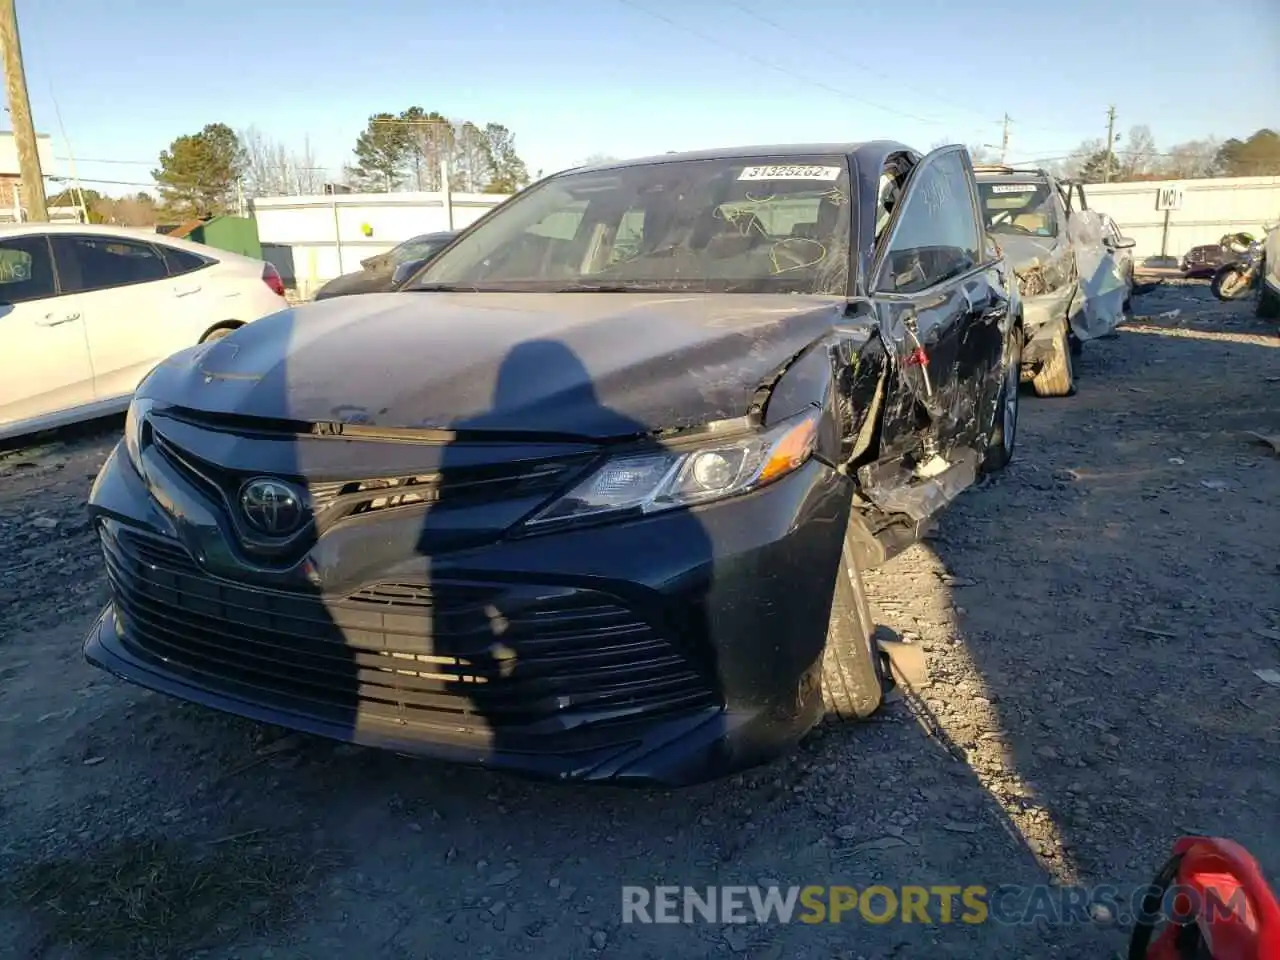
(1210, 208)
(313, 239)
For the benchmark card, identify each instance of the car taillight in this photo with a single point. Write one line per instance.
(271, 277)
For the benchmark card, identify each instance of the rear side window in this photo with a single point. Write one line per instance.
(100, 263)
(26, 269)
(181, 261)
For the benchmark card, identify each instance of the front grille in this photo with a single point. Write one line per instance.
(531, 662)
(332, 501)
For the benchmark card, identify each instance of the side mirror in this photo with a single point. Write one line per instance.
(406, 270)
(1125, 243)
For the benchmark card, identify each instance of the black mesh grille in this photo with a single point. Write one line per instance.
(530, 660)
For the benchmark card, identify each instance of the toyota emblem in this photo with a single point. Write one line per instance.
(272, 507)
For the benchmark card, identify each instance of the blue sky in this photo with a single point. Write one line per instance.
(630, 77)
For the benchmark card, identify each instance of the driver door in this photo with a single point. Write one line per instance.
(1098, 307)
(936, 309)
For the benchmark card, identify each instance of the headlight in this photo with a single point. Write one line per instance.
(135, 422)
(644, 483)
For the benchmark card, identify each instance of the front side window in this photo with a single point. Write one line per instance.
(937, 235)
(1019, 207)
(88, 263)
(740, 225)
(26, 269)
(418, 248)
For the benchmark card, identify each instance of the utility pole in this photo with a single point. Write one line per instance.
(1111, 139)
(24, 134)
(1004, 140)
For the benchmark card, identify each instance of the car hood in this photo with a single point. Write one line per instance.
(374, 280)
(583, 364)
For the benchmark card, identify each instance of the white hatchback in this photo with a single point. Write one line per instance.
(87, 311)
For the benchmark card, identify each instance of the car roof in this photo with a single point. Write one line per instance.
(996, 171)
(849, 148)
(984, 172)
(125, 233)
(97, 229)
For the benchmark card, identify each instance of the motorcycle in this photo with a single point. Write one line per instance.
(1235, 279)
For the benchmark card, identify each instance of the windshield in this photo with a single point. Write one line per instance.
(742, 225)
(1019, 208)
(419, 248)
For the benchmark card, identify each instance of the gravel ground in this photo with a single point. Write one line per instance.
(1092, 621)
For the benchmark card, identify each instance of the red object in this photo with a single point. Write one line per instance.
(271, 277)
(918, 358)
(1236, 916)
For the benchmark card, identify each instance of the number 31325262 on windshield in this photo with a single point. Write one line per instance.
(790, 172)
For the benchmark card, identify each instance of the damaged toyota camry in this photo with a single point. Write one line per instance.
(589, 497)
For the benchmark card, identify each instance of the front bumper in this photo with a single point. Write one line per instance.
(671, 649)
(1042, 318)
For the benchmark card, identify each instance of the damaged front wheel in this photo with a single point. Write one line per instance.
(1056, 376)
(853, 675)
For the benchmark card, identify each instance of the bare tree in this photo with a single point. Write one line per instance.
(273, 169)
(1137, 154)
(1076, 163)
(1190, 160)
(138, 210)
(471, 168)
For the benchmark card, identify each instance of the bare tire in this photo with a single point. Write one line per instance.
(1056, 376)
(852, 665)
(1229, 283)
(1004, 424)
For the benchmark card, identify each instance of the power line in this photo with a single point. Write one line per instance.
(769, 64)
(845, 60)
(131, 163)
(113, 183)
(1068, 153)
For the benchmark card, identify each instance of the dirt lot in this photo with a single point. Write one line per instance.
(1092, 622)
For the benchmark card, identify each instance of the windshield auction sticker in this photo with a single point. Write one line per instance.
(1014, 187)
(793, 172)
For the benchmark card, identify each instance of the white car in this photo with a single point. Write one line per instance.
(87, 311)
(1268, 306)
(1121, 247)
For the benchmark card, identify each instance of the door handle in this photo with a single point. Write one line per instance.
(48, 320)
(186, 293)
